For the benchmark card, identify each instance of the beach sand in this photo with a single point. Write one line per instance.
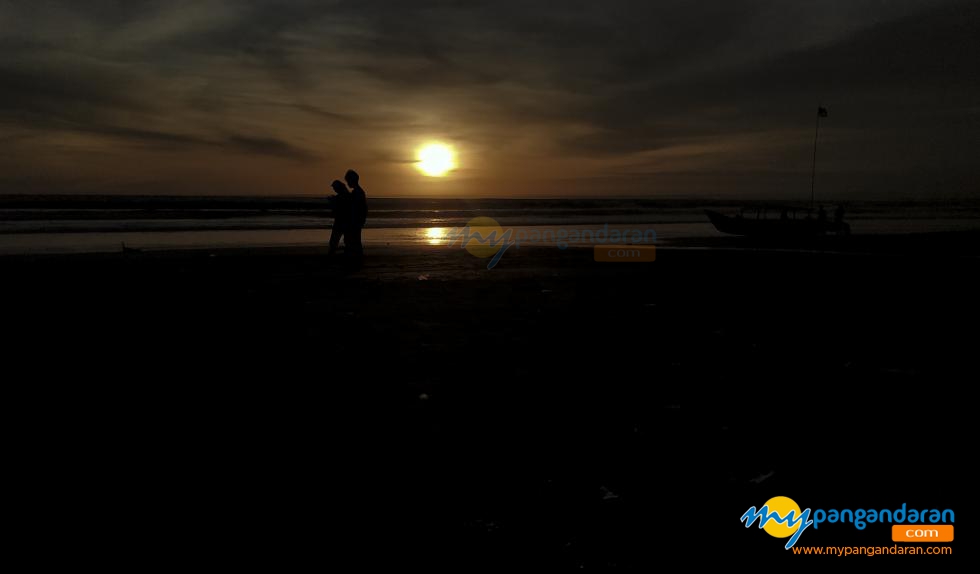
(426, 410)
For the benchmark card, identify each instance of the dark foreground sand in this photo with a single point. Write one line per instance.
(422, 410)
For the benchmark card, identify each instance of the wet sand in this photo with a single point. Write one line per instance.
(425, 410)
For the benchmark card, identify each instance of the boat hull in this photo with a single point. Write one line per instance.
(751, 227)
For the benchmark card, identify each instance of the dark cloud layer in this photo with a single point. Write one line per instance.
(670, 97)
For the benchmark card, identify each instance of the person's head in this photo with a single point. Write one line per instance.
(352, 178)
(339, 187)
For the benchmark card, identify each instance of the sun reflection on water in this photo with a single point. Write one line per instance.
(436, 235)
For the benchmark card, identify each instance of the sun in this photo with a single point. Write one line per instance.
(436, 160)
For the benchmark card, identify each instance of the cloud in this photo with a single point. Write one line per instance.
(520, 84)
(893, 76)
(269, 146)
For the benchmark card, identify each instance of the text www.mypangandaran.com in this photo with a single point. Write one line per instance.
(873, 550)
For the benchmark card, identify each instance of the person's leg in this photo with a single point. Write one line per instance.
(335, 234)
(355, 240)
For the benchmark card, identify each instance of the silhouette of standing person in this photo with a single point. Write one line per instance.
(358, 213)
(341, 204)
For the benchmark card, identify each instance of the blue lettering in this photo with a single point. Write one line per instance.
(819, 516)
(605, 233)
(790, 520)
(902, 518)
(521, 236)
(562, 236)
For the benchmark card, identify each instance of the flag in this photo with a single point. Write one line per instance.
(822, 112)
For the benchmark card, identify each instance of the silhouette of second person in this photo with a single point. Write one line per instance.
(341, 204)
(358, 214)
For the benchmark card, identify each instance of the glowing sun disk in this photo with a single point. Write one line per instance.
(436, 160)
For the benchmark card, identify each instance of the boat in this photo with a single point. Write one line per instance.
(787, 225)
(782, 227)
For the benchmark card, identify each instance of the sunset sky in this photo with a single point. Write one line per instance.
(561, 98)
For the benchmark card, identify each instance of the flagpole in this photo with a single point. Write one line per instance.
(813, 169)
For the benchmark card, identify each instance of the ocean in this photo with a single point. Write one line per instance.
(65, 224)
